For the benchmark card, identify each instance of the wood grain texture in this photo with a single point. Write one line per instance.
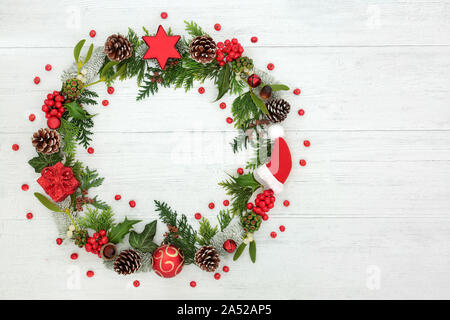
(369, 214)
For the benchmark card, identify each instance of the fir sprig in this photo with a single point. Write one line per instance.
(90, 179)
(240, 189)
(224, 217)
(194, 29)
(97, 220)
(206, 232)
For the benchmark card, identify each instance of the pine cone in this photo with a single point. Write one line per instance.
(203, 49)
(46, 141)
(118, 48)
(127, 262)
(207, 258)
(278, 110)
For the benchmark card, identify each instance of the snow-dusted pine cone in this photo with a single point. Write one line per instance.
(278, 110)
(127, 262)
(118, 48)
(207, 258)
(46, 141)
(203, 49)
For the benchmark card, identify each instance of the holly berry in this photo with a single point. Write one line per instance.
(201, 90)
(15, 147)
(94, 244)
(226, 203)
(270, 66)
(282, 228)
(105, 103)
(228, 51)
(92, 33)
(229, 120)
(254, 39)
(240, 171)
(306, 143)
(25, 187)
(198, 216)
(132, 203)
(265, 217)
(254, 80)
(301, 112)
(223, 105)
(90, 274)
(90, 150)
(136, 283)
(32, 117)
(217, 26)
(164, 15)
(211, 205)
(249, 206)
(59, 241)
(110, 90)
(48, 67)
(273, 234)
(302, 162)
(29, 216)
(286, 203)
(118, 197)
(74, 256)
(193, 284)
(37, 80)
(217, 276)
(225, 269)
(297, 91)
(264, 202)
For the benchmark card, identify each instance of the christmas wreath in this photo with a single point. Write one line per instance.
(89, 222)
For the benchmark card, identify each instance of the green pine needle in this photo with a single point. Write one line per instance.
(97, 220)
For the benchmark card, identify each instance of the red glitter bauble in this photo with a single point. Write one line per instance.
(254, 80)
(53, 123)
(229, 245)
(167, 261)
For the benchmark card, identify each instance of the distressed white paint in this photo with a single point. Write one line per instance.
(369, 214)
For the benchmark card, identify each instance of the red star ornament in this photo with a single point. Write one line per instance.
(161, 47)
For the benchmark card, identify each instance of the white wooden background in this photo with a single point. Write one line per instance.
(369, 214)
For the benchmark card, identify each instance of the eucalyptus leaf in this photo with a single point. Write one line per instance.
(144, 241)
(279, 87)
(120, 230)
(223, 82)
(252, 251)
(77, 49)
(89, 54)
(49, 204)
(259, 103)
(239, 251)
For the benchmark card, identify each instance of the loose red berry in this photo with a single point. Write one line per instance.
(226, 203)
(282, 228)
(90, 274)
(201, 90)
(15, 147)
(217, 26)
(25, 187)
(92, 33)
(198, 216)
(32, 117)
(211, 205)
(132, 203)
(164, 15)
(74, 256)
(110, 90)
(90, 150)
(254, 39)
(105, 102)
(270, 66)
(136, 283)
(217, 276)
(118, 197)
(240, 171)
(37, 80)
(59, 241)
(48, 67)
(306, 143)
(286, 203)
(303, 163)
(301, 112)
(249, 206)
(265, 217)
(273, 234)
(193, 284)
(225, 269)
(29, 216)
(229, 120)
(297, 91)
(223, 105)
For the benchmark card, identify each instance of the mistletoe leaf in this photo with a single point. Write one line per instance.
(42, 161)
(278, 87)
(76, 111)
(259, 103)
(120, 230)
(252, 251)
(107, 66)
(47, 202)
(77, 49)
(239, 251)
(223, 82)
(89, 54)
(144, 241)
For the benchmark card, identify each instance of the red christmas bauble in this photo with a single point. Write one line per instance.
(53, 123)
(254, 80)
(167, 261)
(229, 245)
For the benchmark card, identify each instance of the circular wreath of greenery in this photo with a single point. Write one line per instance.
(88, 221)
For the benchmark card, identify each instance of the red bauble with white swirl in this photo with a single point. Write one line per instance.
(167, 261)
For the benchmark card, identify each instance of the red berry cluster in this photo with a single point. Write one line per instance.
(95, 242)
(53, 105)
(263, 203)
(228, 51)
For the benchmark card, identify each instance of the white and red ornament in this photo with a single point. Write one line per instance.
(167, 261)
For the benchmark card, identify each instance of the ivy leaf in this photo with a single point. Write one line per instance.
(42, 161)
(239, 251)
(47, 202)
(76, 111)
(120, 230)
(77, 49)
(144, 241)
(278, 87)
(248, 180)
(259, 103)
(223, 82)
(252, 251)
(89, 54)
